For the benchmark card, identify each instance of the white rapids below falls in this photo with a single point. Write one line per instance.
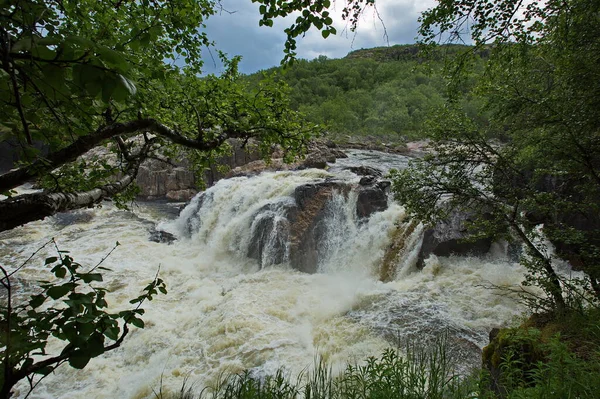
(224, 313)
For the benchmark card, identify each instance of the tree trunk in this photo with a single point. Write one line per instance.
(27, 208)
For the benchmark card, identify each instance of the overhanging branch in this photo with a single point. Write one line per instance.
(82, 145)
(29, 207)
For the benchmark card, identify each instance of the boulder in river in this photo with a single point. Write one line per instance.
(371, 199)
(452, 237)
(162, 236)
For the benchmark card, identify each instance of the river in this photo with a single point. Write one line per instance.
(227, 312)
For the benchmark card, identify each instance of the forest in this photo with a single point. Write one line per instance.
(386, 92)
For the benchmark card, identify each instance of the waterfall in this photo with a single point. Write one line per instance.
(268, 272)
(309, 220)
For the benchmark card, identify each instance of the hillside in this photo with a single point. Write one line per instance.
(385, 92)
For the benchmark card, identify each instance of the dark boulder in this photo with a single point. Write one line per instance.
(315, 160)
(451, 237)
(338, 153)
(367, 180)
(304, 193)
(384, 184)
(372, 196)
(370, 200)
(162, 237)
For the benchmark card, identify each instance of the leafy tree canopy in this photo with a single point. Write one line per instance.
(541, 88)
(384, 92)
(79, 74)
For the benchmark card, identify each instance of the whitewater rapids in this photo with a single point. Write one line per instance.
(224, 313)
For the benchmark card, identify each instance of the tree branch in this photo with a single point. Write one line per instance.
(82, 145)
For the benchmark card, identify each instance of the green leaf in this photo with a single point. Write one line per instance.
(113, 58)
(43, 52)
(59, 271)
(51, 259)
(95, 345)
(112, 333)
(80, 41)
(48, 41)
(325, 34)
(123, 89)
(79, 360)
(137, 300)
(22, 45)
(108, 88)
(37, 301)
(89, 277)
(139, 323)
(59, 290)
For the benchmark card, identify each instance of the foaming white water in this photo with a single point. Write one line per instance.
(224, 313)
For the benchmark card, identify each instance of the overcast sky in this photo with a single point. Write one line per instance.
(238, 33)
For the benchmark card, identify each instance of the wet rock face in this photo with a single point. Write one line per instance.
(270, 231)
(161, 236)
(309, 229)
(157, 179)
(448, 237)
(371, 199)
(295, 231)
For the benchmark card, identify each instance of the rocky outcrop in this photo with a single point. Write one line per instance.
(161, 236)
(451, 237)
(241, 154)
(372, 197)
(320, 153)
(256, 167)
(157, 179)
(309, 229)
(175, 181)
(294, 229)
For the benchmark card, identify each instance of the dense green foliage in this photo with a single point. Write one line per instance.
(386, 92)
(541, 87)
(75, 75)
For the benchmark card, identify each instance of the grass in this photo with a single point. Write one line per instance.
(419, 373)
(566, 365)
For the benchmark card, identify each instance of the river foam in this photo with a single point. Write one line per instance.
(224, 313)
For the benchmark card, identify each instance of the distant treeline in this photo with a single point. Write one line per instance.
(384, 91)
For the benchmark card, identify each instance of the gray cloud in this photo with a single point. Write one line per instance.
(238, 33)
